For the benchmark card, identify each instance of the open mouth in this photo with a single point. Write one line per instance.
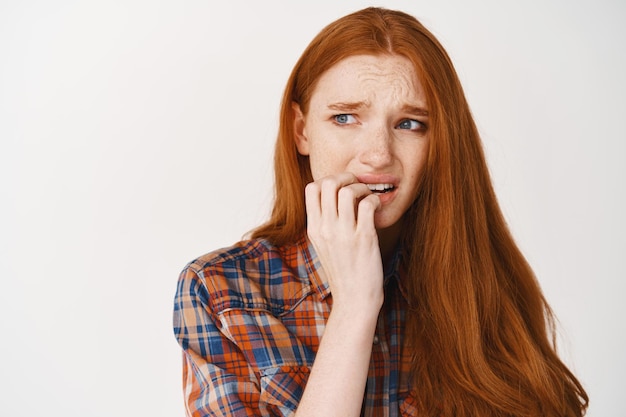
(380, 188)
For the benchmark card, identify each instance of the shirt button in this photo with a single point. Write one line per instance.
(376, 341)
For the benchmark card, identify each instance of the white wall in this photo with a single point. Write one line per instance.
(137, 135)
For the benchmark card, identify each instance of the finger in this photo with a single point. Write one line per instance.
(366, 210)
(345, 178)
(348, 199)
(312, 196)
(330, 187)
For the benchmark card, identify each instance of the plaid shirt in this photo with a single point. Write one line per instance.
(249, 319)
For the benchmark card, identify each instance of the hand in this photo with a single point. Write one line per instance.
(340, 224)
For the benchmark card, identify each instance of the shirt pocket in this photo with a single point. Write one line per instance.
(282, 388)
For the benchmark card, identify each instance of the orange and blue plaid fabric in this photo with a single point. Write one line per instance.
(249, 319)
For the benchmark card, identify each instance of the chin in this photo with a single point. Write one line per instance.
(382, 222)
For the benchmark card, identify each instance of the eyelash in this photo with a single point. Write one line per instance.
(422, 126)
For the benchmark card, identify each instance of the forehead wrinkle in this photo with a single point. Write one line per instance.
(360, 84)
(398, 85)
(402, 95)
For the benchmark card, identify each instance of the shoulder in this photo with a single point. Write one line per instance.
(240, 251)
(251, 274)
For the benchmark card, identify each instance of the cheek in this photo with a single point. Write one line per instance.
(319, 161)
(417, 170)
(327, 159)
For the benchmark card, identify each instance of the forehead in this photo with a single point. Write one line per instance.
(366, 77)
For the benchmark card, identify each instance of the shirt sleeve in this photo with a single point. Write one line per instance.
(217, 380)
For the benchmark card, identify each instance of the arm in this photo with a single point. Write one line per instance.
(337, 381)
(340, 223)
(216, 377)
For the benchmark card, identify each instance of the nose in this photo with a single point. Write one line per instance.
(377, 148)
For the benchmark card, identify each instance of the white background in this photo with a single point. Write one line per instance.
(137, 135)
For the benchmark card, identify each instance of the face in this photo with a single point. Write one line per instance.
(368, 116)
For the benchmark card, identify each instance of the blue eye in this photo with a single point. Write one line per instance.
(410, 124)
(344, 119)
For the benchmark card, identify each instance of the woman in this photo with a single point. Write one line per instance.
(386, 281)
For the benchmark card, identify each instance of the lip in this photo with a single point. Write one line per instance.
(378, 179)
(385, 198)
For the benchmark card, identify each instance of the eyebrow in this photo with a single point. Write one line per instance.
(343, 106)
(419, 111)
(352, 106)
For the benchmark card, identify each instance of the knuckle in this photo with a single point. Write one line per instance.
(367, 204)
(326, 234)
(320, 234)
(311, 188)
(347, 193)
(328, 184)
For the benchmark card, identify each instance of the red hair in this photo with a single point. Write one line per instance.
(479, 328)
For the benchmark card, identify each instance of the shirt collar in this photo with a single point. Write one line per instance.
(311, 267)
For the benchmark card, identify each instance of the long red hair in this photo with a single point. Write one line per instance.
(479, 328)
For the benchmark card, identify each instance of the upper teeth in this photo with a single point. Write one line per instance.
(379, 187)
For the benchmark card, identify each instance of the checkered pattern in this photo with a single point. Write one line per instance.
(249, 319)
